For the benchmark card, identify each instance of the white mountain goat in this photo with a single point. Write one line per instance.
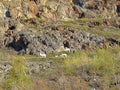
(63, 55)
(67, 49)
(43, 55)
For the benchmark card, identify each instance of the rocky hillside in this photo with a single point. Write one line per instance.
(59, 9)
(48, 33)
(24, 24)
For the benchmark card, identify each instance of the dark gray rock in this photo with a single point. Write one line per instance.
(51, 41)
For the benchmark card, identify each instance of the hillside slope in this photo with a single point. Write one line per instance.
(59, 44)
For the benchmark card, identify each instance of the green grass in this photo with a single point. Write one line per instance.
(106, 32)
(101, 60)
(17, 79)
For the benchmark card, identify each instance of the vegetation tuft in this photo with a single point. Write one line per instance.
(17, 79)
(101, 60)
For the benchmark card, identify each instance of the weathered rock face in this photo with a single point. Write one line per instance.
(47, 10)
(8, 27)
(102, 8)
(58, 9)
(47, 40)
(52, 40)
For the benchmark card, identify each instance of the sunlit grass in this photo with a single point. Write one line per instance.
(17, 79)
(101, 60)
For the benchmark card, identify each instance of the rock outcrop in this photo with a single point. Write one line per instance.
(58, 9)
(13, 33)
(47, 10)
(48, 40)
(52, 40)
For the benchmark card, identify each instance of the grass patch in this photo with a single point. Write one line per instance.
(4, 56)
(102, 60)
(17, 79)
(74, 61)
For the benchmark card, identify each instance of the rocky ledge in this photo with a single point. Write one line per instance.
(14, 33)
(26, 40)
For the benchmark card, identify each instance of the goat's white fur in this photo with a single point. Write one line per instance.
(43, 55)
(63, 55)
